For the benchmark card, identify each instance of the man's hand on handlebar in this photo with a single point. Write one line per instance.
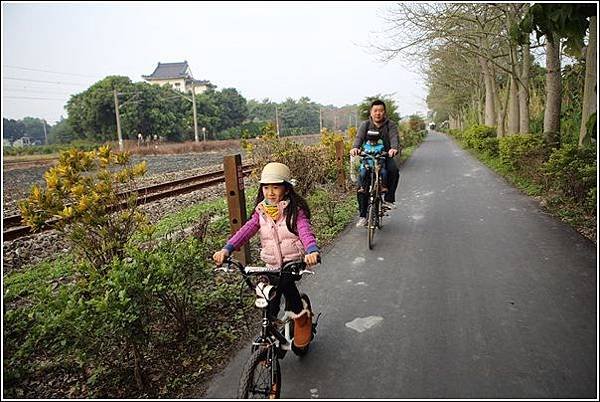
(354, 151)
(392, 152)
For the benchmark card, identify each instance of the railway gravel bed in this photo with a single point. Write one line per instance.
(34, 248)
(16, 183)
(37, 247)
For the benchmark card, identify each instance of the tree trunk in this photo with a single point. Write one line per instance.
(524, 91)
(488, 80)
(501, 108)
(553, 92)
(501, 131)
(589, 87)
(513, 107)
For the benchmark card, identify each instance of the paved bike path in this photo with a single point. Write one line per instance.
(471, 291)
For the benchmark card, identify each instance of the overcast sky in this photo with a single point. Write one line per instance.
(264, 50)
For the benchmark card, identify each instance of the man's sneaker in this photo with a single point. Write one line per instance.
(389, 205)
(361, 222)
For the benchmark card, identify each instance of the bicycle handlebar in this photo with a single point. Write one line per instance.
(296, 268)
(371, 156)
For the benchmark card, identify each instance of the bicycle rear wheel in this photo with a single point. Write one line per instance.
(261, 377)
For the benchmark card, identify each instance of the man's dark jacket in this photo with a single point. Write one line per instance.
(388, 131)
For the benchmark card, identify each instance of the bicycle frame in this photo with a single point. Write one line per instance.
(273, 343)
(375, 199)
(374, 173)
(271, 336)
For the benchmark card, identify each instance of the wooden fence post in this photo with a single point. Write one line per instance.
(236, 200)
(339, 157)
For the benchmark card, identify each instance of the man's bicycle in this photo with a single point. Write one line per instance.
(375, 210)
(261, 375)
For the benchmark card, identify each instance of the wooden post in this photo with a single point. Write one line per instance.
(236, 200)
(339, 157)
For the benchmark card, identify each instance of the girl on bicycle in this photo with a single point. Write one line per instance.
(282, 219)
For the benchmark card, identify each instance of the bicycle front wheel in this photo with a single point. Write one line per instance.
(371, 224)
(380, 213)
(261, 376)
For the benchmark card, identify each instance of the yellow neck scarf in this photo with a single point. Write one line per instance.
(271, 210)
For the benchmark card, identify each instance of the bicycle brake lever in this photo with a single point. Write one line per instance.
(223, 269)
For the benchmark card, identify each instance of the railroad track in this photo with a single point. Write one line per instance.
(12, 228)
(20, 164)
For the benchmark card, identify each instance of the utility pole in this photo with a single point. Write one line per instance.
(118, 120)
(320, 120)
(334, 122)
(277, 120)
(193, 100)
(194, 110)
(45, 134)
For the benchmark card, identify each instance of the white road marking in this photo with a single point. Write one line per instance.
(359, 260)
(362, 324)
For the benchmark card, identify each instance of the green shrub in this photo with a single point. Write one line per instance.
(72, 316)
(310, 165)
(490, 146)
(81, 190)
(331, 211)
(456, 133)
(475, 136)
(412, 138)
(572, 171)
(591, 199)
(522, 152)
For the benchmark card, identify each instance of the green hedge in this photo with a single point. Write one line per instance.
(477, 137)
(572, 171)
(522, 151)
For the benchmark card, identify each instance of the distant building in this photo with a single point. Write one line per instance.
(178, 76)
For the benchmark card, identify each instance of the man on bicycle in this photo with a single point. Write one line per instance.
(388, 131)
(373, 146)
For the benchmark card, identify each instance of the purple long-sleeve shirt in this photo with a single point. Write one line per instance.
(251, 227)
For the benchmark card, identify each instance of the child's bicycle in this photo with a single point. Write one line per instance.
(375, 210)
(261, 375)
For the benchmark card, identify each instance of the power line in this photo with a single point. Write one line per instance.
(47, 71)
(35, 90)
(26, 97)
(47, 82)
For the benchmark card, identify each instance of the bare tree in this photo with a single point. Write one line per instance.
(476, 30)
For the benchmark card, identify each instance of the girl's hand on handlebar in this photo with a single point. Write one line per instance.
(220, 256)
(311, 259)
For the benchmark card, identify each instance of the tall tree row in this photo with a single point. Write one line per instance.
(478, 59)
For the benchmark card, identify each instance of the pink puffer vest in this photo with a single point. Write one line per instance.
(278, 244)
